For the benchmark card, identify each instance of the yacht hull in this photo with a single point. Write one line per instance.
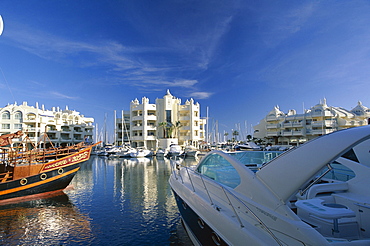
(199, 232)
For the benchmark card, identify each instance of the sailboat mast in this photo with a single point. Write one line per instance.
(122, 127)
(115, 128)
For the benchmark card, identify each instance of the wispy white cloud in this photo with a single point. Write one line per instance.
(61, 96)
(278, 25)
(186, 48)
(200, 95)
(127, 64)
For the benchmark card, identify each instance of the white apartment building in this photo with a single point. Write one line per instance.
(63, 127)
(292, 128)
(158, 125)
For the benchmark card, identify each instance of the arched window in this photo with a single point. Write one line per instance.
(6, 115)
(18, 116)
(31, 116)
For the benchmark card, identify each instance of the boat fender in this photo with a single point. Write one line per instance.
(23, 181)
(43, 176)
(60, 170)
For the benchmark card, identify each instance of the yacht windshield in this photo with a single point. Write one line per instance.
(216, 167)
(219, 169)
(255, 158)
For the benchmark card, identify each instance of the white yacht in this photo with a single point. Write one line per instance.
(175, 150)
(141, 152)
(161, 153)
(191, 151)
(126, 152)
(316, 194)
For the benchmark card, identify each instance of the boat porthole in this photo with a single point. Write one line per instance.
(23, 181)
(184, 205)
(216, 239)
(60, 170)
(43, 176)
(201, 223)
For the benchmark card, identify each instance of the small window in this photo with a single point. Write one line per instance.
(18, 126)
(219, 169)
(5, 126)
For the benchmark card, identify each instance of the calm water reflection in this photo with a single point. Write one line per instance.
(113, 202)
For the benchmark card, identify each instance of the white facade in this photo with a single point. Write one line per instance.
(63, 127)
(160, 124)
(292, 128)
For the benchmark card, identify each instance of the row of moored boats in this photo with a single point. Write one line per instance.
(130, 152)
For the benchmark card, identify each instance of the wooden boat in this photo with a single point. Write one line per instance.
(25, 172)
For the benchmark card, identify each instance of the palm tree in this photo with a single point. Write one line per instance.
(177, 126)
(226, 134)
(164, 126)
(169, 128)
(235, 133)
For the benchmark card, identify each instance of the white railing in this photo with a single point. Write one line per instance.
(233, 201)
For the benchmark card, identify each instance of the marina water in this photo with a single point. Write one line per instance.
(110, 202)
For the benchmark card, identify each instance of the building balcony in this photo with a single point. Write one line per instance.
(29, 129)
(292, 133)
(29, 120)
(272, 134)
(137, 138)
(140, 117)
(273, 118)
(292, 124)
(184, 118)
(351, 123)
(322, 113)
(151, 117)
(321, 123)
(137, 128)
(151, 127)
(185, 128)
(273, 126)
(64, 140)
(51, 131)
(318, 132)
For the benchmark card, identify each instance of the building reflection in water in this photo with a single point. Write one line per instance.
(113, 201)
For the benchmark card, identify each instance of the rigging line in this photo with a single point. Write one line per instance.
(7, 84)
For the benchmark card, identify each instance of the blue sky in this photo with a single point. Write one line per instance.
(238, 58)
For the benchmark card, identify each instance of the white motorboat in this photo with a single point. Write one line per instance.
(161, 153)
(126, 152)
(248, 146)
(141, 152)
(316, 194)
(191, 151)
(175, 150)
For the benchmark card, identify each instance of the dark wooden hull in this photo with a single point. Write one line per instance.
(54, 180)
(54, 175)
